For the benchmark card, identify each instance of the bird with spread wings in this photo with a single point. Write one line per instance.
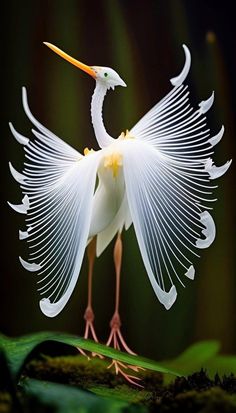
(157, 176)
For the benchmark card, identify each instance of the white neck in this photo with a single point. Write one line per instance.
(103, 138)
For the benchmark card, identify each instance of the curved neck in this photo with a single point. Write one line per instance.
(103, 138)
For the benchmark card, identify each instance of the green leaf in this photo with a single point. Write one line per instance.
(124, 393)
(19, 349)
(194, 357)
(199, 355)
(68, 399)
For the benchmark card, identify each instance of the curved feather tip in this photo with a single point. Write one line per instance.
(24, 234)
(20, 178)
(190, 273)
(20, 138)
(205, 105)
(178, 80)
(166, 298)
(21, 208)
(216, 171)
(209, 231)
(216, 138)
(51, 309)
(32, 267)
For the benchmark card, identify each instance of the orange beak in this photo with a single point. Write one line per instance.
(73, 61)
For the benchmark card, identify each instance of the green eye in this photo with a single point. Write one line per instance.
(105, 74)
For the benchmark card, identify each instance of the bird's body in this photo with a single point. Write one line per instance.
(156, 176)
(109, 197)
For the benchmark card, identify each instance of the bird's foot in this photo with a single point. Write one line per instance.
(90, 331)
(121, 368)
(117, 340)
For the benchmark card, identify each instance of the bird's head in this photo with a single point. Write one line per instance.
(103, 75)
(108, 77)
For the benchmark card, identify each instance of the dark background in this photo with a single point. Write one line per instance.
(142, 41)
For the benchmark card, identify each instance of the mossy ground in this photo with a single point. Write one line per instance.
(196, 393)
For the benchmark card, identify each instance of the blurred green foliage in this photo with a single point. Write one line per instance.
(142, 41)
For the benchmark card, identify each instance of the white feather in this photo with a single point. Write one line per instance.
(216, 139)
(205, 105)
(190, 273)
(209, 231)
(32, 267)
(216, 171)
(20, 178)
(20, 138)
(21, 208)
(24, 234)
(178, 80)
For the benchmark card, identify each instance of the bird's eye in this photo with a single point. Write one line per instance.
(106, 74)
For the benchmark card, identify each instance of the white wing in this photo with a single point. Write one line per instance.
(58, 186)
(167, 216)
(167, 169)
(177, 130)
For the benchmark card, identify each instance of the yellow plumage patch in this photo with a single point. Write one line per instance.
(87, 151)
(126, 135)
(113, 161)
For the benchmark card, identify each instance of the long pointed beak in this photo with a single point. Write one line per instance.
(71, 60)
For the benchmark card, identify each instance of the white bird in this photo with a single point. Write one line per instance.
(156, 176)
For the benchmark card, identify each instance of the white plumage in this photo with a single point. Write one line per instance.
(156, 176)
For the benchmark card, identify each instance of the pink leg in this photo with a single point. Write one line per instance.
(89, 314)
(116, 338)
